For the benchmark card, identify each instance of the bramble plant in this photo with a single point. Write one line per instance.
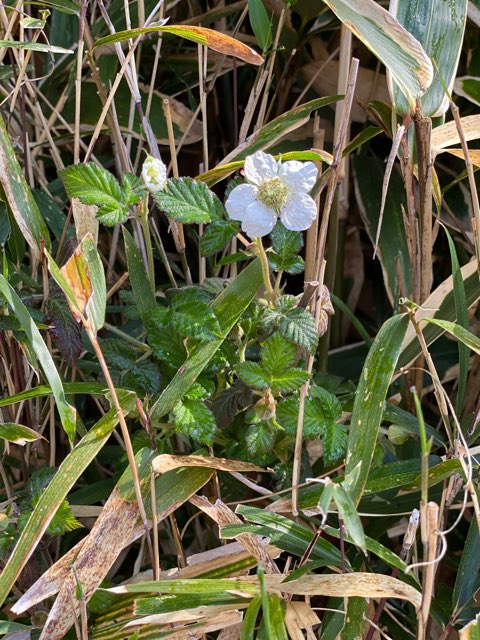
(239, 316)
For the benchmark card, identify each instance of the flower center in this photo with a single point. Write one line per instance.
(273, 193)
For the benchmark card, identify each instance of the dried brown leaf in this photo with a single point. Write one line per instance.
(167, 462)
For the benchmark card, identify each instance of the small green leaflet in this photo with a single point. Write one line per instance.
(193, 418)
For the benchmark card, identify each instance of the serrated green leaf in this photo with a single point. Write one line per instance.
(334, 441)
(193, 317)
(62, 521)
(194, 419)
(313, 422)
(286, 243)
(299, 326)
(95, 185)
(289, 380)
(253, 374)
(189, 201)
(217, 235)
(278, 354)
(294, 265)
(259, 439)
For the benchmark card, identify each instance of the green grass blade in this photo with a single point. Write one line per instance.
(69, 471)
(66, 411)
(93, 388)
(370, 396)
(461, 311)
(141, 289)
(19, 197)
(250, 619)
(465, 336)
(228, 307)
(466, 582)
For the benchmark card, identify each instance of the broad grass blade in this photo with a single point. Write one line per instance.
(370, 396)
(68, 414)
(69, 471)
(141, 289)
(20, 198)
(439, 26)
(393, 45)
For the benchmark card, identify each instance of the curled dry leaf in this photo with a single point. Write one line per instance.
(167, 462)
(326, 309)
(223, 515)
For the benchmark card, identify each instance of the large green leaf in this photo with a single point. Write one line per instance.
(69, 471)
(439, 26)
(228, 307)
(68, 414)
(371, 392)
(393, 45)
(19, 197)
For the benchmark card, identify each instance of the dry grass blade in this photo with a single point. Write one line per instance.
(223, 515)
(167, 462)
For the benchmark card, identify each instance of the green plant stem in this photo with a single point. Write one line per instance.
(148, 241)
(265, 270)
(425, 449)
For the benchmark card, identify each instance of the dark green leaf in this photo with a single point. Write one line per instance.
(63, 328)
(260, 23)
(142, 291)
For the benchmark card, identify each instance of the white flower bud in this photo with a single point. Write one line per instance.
(154, 174)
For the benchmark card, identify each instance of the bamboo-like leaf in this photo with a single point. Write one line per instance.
(440, 305)
(439, 27)
(393, 45)
(18, 433)
(228, 307)
(466, 581)
(141, 289)
(370, 395)
(464, 335)
(33, 46)
(69, 471)
(68, 414)
(20, 198)
(208, 37)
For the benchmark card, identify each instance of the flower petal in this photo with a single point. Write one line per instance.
(259, 220)
(260, 167)
(299, 212)
(239, 199)
(298, 176)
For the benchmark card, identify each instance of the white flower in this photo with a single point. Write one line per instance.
(154, 174)
(273, 190)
